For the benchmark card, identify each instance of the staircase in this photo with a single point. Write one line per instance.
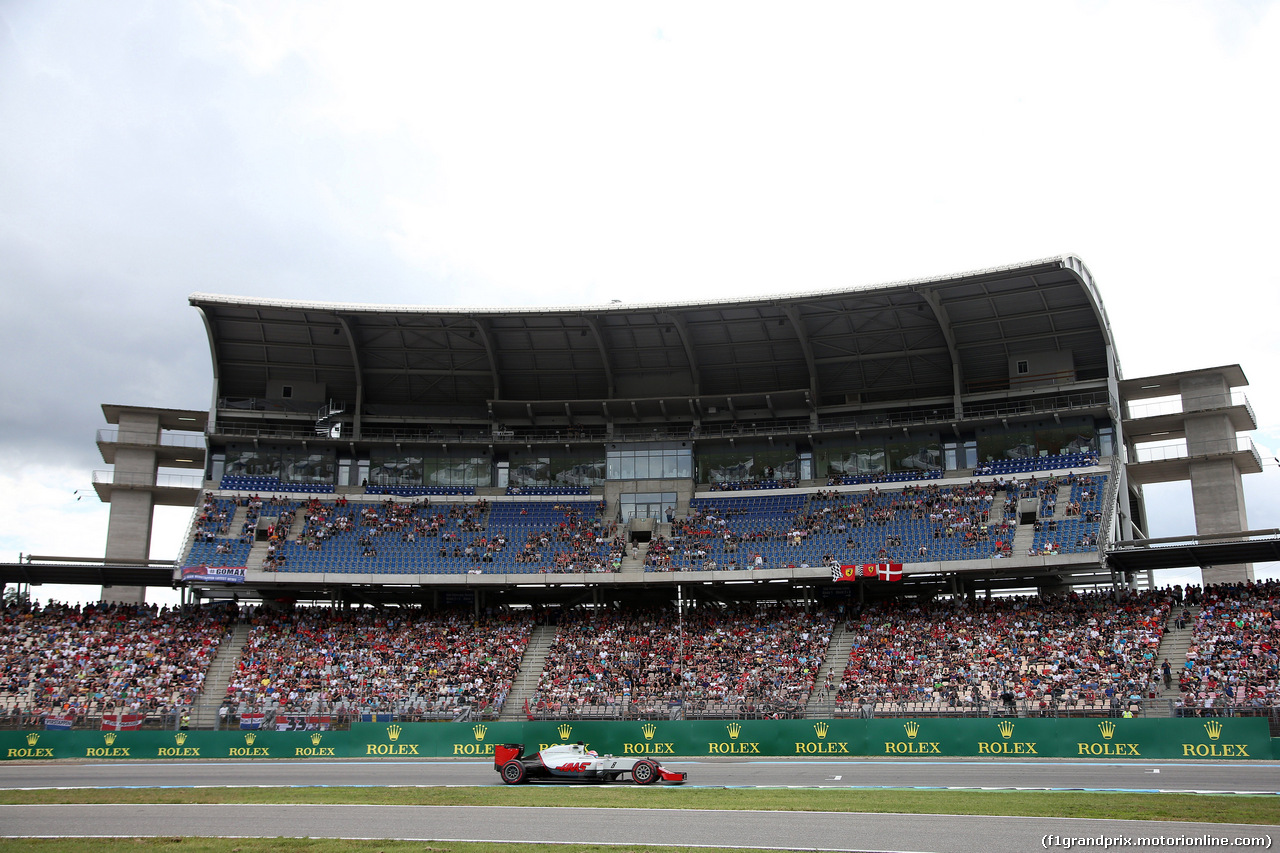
(526, 681)
(1023, 536)
(632, 564)
(204, 713)
(1173, 645)
(834, 664)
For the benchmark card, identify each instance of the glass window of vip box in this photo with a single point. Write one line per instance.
(651, 461)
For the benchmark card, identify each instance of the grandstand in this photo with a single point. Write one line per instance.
(612, 511)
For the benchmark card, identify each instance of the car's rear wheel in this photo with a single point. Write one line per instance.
(513, 773)
(645, 772)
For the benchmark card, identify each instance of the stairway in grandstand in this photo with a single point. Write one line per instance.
(204, 714)
(1173, 645)
(1022, 539)
(635, 564)
(526, 681)
(820, 703)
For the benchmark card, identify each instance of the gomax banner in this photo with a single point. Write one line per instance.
(1186, 738)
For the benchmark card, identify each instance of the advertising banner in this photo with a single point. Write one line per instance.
(222, 574)
(1213, 738)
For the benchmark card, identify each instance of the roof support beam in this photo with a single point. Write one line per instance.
(934, 302)
(487, 339)
(682, 329)
(802, 334)
(212, 426)
(356, 370)
(594, 325)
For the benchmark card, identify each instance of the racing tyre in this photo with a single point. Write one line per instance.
(513, 773)
(644, 773)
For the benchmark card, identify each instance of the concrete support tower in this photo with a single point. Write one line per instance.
(145, 441)
(1215, 455)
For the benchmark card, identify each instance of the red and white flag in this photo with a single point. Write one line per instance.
(889, 571)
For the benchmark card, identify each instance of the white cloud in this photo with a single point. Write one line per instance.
(508, 154)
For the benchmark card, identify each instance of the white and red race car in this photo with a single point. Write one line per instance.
(573, 762)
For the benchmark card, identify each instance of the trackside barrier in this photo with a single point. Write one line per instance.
(1187, 738)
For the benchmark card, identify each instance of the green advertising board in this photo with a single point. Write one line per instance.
(1186, 738)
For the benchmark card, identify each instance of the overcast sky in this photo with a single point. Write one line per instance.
(538, 154)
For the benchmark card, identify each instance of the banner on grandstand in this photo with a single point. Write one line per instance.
(251, 721)
(55, 724)
(879, 571)
(225, 574)
(302, 722)
(122, 722)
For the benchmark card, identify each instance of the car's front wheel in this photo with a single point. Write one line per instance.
(644, 773)
(513, 773)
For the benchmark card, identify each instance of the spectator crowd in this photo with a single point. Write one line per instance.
(79, 662)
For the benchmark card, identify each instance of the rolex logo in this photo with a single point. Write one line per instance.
(649, 730)
(393, 732)
(820, 729)
(1006, 729)
(110, 738)
(734, 730)
(565, 730)
(315, 739)
(913, 729)
(480, 730)
(1214, 729)
(249, 738)
(180, 738)
(32, 738)
(1107, 728)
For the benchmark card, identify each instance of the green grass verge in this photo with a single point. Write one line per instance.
(1259, 810)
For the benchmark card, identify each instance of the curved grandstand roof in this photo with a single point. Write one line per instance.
(936, 337)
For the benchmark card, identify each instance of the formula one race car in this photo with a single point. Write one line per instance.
(573, 762)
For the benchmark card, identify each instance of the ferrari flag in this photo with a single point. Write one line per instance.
(880, 571)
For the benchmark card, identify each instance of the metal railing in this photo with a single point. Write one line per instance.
(168, 481)
(170, 719)
(1183, 450)
(148, 439)
(1194, 405)
(1110, 499)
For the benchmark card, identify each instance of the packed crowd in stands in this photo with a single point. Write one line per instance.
(79, 662)
(1078, 651)
(1234, 657)
(1069, 653)
(745, 660)
(413, 664)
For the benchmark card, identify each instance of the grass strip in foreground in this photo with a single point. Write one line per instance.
(325, 845)
(1202, 808)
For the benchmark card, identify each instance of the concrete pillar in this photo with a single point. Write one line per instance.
(1217, 490)
(132, 501)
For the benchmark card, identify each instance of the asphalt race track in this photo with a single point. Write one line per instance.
(1049, 774)
(784, 830)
